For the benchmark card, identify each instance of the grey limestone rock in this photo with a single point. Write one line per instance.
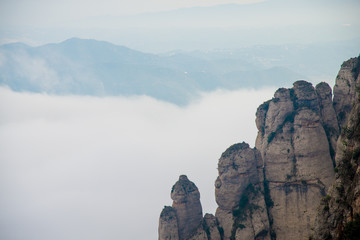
(226, 222)
(274, 190)
(295, 148)
(168, 225)
(199, 234)
(237, 168)
(186, 202)
(339, 213)
(239, 192)
(211, 227)
(328, 115)
(184, 220)
(345, 89)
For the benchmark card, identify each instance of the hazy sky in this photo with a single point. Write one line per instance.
(103, 168)
(29, 12)
(149, 26)
(83, 8)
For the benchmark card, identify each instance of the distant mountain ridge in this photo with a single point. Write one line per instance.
(91, 67)
(99, 68)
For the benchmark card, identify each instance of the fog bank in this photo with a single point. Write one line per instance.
(102, 168)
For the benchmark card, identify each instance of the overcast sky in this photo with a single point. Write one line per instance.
(54, 12)
(102, 168)
(129, 22)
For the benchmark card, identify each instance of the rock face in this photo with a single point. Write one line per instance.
(295, 145)
(186, 202)
(345, 89)
(184, 220)
(211, 227)
(339, 212)
(328, 116)
(237, 169)
(307, 154)
(168, 225)
(240, 195)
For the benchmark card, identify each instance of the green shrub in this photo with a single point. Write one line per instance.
(245, 206)
(356, 154)
(352, 229)
(289, 117)
(221, 231)
(241, 226)
(346, 131)
(327, 198)
(268, 201)
(271, 137)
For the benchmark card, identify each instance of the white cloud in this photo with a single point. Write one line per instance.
(36, 70)
(102, 168)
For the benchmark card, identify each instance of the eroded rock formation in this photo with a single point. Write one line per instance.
(339, 212)
(345, 89)
(295, 145)
(328, 116)
(211, 226)
(274, 190)
(168, 224)
(186, 202)
(239, 193)
(184, 220)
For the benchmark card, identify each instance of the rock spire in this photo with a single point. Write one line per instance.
(306, 155)
(184, 220)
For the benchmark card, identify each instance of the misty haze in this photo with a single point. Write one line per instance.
(98, 167)
(104, 104)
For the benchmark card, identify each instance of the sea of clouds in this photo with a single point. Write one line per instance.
(79, 167)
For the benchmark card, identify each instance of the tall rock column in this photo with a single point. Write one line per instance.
(328, 116)
(239, 192)
(184, 220)
(186, 202)
(295, 147)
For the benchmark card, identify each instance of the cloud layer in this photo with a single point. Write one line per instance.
(102, 168)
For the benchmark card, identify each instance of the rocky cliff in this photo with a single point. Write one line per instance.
(345, 89)
(274, 190)
(239, 193)
(295, 145)
(339, 212)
